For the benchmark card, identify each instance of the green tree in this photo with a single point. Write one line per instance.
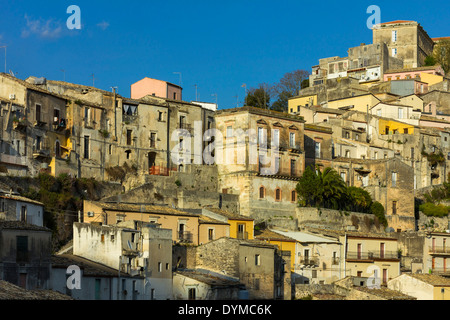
(442, 54)
(308, 188)
(333, 188)
(259, 97)
(288, 87)
(377, 210)
(359, 199)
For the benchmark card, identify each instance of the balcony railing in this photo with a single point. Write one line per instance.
(160, 171)
(13, 160)
(185, 236)
(439, 250)
(242, 235)
(371, 255)
(309, 261)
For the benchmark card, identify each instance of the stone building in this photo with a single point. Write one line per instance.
(389, 181)
(14, 207)
(406, 40)
(262, 268)
(25, 254)
(133, 248)
(250, 165)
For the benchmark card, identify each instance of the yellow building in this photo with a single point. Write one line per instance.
(315, 259)
(240, 227)
(184, 225)
(387, 126)
(431, 79)
(371, 256)
(357, 103)
(295, 103)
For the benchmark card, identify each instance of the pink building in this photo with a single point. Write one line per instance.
(154, 87)
(413, 73)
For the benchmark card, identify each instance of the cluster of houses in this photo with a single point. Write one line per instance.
(209, 208)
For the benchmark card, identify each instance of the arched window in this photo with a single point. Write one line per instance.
(262, 192)
(277, 194)
(293, 196)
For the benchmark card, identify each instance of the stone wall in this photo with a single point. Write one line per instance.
(305, 290)
(335, 219)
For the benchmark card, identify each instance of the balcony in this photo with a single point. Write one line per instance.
(13, 160)
(185, 236)
(185, 126)
(160, 171)
(59, 124)
(372, 255)
(128, 118)
(41, 154)
(436, 250)
(309, 261)
(242, 235)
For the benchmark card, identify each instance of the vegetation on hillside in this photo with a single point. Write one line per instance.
(326, 189)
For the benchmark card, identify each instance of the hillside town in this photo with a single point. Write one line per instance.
(343, 196)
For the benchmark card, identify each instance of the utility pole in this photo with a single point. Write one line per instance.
(93, 80)
(196, 87)
(180, 82)
(5, 56)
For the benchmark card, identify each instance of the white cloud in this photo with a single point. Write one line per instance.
(103, 25)
(43, 28)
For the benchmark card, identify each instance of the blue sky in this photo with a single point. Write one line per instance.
(216, 45)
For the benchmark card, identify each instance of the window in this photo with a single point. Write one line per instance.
(292, 140)
(317, 150)
(261, 136)
(230, 131)
(241, 231)
(86, 147)
(160, 116)
(347, 153)
(55, 116)
(405, 131)
(400, 113)
(159, 267)
(293, 164)
(293, 196)
(22, 248)
(262, 192)
(210, 234)
(276, 137)
(379, 112)
(278, 194)
(152, 140)
(394, 36)
(394, 179)
(347, 135)
(394, 207)
(394, 54)
(167, 266)
(38, 113)
(129, 137)
(23, 213)
(257, 260)
(191, 294)
(174, 96)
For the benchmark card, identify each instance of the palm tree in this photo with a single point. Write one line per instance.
(334, 189)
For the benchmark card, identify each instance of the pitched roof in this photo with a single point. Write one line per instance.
(229, 215)
(20, 225)
(432, 279)
(19, 198)
(144, 208)
(9, 291)
(209, 278)
(89, 267)
(397, 22)
(386, 293)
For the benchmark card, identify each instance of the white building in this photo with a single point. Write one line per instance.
(17, 208)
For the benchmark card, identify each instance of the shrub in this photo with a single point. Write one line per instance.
(432, 210)
(377, 210)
